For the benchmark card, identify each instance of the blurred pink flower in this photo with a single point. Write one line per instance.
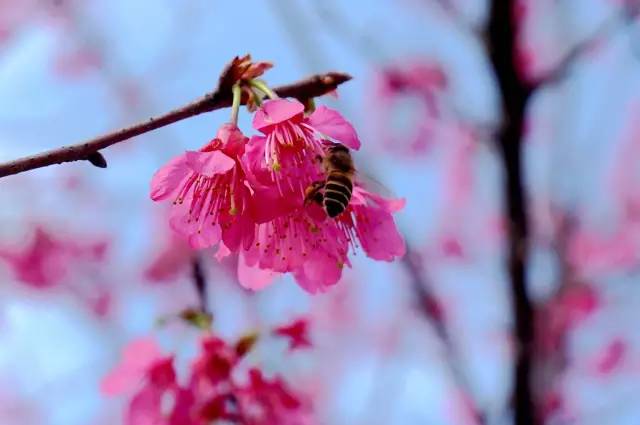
(138, 358)
(297, 332)
(209, 192)
(610, 357)
(215, 390)
(42, 263)
(174, 257)
(570, 308)
(415, 82)
(47, 260)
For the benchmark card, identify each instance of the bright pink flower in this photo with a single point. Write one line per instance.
(297, 332)
(303, 242)
(301, 239)
(293, 141)
(209, 192)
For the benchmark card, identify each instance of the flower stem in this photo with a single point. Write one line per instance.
(235, 104)
(262, 86)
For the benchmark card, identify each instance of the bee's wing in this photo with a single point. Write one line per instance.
(371, 184)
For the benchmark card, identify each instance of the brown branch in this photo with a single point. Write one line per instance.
(501, 33)
(311, 87)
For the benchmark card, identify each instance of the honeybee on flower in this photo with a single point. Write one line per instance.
(268, 200)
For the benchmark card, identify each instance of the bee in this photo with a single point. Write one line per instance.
(334, 193)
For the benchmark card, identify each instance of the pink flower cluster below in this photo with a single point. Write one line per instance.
(216, 389)
(247, 197)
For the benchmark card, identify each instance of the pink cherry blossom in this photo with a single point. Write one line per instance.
(137, 358)
(297, 332)
(298, 238)
(292, 141)
(216, 389)
(48, 259)
(208, 189)
(303, 242)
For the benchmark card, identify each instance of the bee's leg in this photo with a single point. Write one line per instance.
(313, 193)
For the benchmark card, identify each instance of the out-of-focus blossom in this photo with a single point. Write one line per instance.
(610, 357)
(569, 309)
(297, 332)
(47, 260)
(139, 356)
(419, 84)
(174, 257)
(216, 389)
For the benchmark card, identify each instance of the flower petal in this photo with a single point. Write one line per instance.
(331, 123)
(253, 277)
(276, 111)
(208, 163)
(137, 356)
(382, 241)
(167, 180)
(318, 273)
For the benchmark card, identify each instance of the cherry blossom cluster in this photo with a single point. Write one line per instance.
(246, 195)
(219, 388)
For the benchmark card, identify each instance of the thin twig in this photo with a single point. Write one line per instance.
(313, 86)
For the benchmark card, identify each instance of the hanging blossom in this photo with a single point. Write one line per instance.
(248, 197)
(297, 237)
(215, 389)
(210, 198)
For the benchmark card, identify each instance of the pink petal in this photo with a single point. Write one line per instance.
(331, 123)
(233, 141)
(222, 252)
(146, 408)
(166, 181)
(253, 277)
(318, 273)
(276, 111)
(208, 236)
(209, 163)
(242, 228)
(199, 235)
(137, 356)
(382, 241)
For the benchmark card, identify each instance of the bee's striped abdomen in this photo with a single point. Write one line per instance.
(337, 193)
